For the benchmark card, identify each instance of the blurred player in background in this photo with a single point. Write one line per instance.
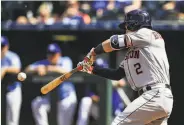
(66, 91)
(10, 64)
(89, 104)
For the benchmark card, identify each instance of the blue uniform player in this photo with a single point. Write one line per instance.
(10, 64)
(89, 104)
(66, 91)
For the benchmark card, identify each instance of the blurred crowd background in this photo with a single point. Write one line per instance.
(73, 11)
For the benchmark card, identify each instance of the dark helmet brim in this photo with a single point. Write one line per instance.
(122, 25)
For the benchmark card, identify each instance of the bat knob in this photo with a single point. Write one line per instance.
(44, 90)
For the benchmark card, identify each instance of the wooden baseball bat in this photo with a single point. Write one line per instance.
(57, 81)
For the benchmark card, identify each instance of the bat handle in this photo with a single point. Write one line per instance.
(79, 68)
(87, 59)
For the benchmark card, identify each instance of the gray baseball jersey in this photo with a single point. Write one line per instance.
(146, 61)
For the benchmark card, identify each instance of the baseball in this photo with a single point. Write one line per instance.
(21, 76)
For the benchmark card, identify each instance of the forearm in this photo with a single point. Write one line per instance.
(59, 69)
(113, 74)
(29, 69)
(116, 42)
(12, 70)
(117, 84)
(104, 47)
(2, 73)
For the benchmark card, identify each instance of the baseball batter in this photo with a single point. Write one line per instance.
(145, 66)
(10, 64)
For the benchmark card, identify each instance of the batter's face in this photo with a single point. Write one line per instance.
(4, 50)
(53, 57)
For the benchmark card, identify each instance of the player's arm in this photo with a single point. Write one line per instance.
(57, 69)
(35, 67)
(9, 70)
(15, 65)
(32, 67)
(3, 72)
(64, 66)
(38, 68)
(118, 84)
(116, 42)
(113, 74)
(12, 69)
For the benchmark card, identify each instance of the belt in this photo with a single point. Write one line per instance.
(147, 88)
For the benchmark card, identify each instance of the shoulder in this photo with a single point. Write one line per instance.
(44, 61)
(141, 34)
(144, 32)
(65, 58)
(11, 54)
(149, 34)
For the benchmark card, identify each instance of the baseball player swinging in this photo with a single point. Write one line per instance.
(145, 66)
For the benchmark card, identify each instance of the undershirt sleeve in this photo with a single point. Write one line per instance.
(113, 74)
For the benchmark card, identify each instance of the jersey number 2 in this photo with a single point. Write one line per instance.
(138, 68)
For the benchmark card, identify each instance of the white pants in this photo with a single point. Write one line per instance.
(151, 108)
(40, 107)
(66, 109)
(86, 108)
(13, 100)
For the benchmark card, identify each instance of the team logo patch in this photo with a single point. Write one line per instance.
(114, 42)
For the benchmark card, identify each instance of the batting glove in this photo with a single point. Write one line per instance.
(91, 56)
(85, 67)
(86, 64)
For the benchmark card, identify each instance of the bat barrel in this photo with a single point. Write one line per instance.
(54, 83)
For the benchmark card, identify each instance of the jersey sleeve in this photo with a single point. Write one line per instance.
(67, 64)
(141, 38)
(15, 61)
(117, 42)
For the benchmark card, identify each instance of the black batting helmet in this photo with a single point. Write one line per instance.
(136, 19)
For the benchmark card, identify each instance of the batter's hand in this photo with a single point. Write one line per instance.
(41, 70)
(88, 61)
(91, 55)
(86, 67)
